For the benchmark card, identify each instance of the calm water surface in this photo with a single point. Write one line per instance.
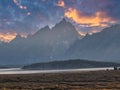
(20, 71)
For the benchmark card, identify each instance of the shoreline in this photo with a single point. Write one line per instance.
(22, 71)
(91, 80)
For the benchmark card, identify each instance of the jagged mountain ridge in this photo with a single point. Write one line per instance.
(104, 45)
(62, 42)
(46, 44)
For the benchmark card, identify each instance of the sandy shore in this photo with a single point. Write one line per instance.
(91, 80)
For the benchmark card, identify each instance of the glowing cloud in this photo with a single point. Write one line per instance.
(25, 7)
(23, 35)
(61, 3)
(7, 37)
(15, 1)
(97, 19)
(81, 33)
(28, 13)
(19, 5)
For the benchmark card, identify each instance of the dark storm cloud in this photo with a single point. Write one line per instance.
(113, 8)
(40, 12)
(27, 16)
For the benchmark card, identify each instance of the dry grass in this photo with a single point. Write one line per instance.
(94, 80)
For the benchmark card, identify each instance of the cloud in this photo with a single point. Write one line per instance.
(112, 8)
(91, 16)
(89, 22)
(16, 2)
(28, 16)
(99, 18)
(28, 13)
(7, 37)
(61, 3)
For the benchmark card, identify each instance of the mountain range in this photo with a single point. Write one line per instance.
(45, 45)
(102, 46)
(62, 42)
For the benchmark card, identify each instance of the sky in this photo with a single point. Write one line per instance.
(28, 16)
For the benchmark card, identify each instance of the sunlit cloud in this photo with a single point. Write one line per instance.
(7, 37)
(61, 3)
(97, 19)
(19, 5)
(94, 31)
(81, 33)
(88, 16)
(23, 7)
(28, 13)
(16, 2)
(24, 35)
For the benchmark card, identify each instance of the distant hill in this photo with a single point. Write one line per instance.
(69, 64)
(102, 46)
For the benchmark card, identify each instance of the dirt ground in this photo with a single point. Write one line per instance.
(92, 80)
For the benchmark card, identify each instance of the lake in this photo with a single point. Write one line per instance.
(21, 71)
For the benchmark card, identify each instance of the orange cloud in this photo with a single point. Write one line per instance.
(7, 37)
(61, 3)
(98, 19)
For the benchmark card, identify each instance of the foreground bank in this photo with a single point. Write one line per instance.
(91, 80)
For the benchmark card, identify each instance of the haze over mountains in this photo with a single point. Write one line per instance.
(46, 44)
(62, 42)
(102, 46)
